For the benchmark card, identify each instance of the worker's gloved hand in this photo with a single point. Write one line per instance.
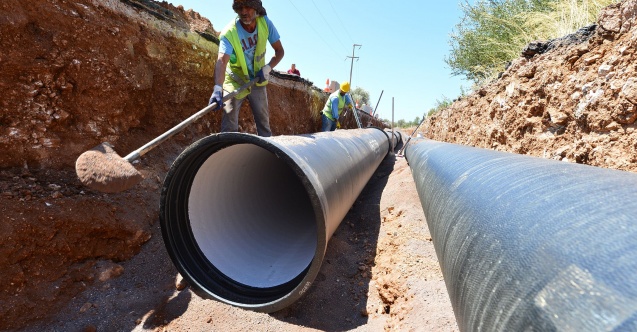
(338, 124)
(217, 97)
(264, 73)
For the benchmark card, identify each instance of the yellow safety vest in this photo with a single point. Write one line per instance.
(327, 110)
(238, 67)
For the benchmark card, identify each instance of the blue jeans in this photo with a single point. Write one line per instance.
(258, 98)
(328, 125)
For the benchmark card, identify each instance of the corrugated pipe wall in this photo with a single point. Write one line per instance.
(530, 244)
(246, 219)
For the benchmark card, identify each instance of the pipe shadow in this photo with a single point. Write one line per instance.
(168, 310)
(337, 299)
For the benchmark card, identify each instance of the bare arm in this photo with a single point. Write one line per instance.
(278, 53)
(220, 68)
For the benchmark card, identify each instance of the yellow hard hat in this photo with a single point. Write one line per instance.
(345, 86)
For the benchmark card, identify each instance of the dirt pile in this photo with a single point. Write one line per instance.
(571, 99)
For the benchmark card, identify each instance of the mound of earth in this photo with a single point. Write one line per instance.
(571, 99)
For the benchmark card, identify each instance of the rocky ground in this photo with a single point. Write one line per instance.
(79, 73)
(571, 99)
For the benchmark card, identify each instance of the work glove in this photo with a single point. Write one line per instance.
(338, 124)
(217, 97)
(264, 73)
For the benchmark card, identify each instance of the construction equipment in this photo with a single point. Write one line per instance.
(402, 149)
(102, 169)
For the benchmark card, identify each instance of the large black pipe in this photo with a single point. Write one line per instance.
(246, 219)
(395, 138)
(530, 244)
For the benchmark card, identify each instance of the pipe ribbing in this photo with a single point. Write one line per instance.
(246, 219)
(530, 244)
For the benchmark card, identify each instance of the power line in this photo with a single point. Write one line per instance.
(327, 23)
(308, 23)
(341, 22)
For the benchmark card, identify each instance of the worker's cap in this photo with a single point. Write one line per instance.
(254, 4)
(345, 86)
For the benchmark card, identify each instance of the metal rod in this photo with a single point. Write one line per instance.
(375, 108)
(355, 111)
(400, 152)
(179, 127)
(392, 119)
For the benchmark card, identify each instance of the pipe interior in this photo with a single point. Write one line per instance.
(252, 217)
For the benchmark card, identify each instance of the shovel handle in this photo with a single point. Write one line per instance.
(163, 137)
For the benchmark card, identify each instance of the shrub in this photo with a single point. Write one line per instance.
(494, 32)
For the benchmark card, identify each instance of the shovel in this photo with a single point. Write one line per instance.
(102, 169)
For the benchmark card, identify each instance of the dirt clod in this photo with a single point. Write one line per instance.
(102, 169)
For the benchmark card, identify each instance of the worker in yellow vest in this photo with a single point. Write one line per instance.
(242, 44)
(337, 102)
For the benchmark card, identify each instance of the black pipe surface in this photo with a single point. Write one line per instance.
(530, 244)
(246, 219)
(395, 139)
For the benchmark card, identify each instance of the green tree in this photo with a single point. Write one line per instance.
(490, 34)
(360, 95)
(440, 105)
(494, 32)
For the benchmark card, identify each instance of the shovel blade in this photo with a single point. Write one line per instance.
(102, 169)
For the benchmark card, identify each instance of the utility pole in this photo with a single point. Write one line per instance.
(352, 66)
(392, 123)
(358, 121)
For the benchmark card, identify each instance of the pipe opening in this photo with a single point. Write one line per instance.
(238, 222)
(266, 245)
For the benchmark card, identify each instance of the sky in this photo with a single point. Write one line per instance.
(400, 60)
